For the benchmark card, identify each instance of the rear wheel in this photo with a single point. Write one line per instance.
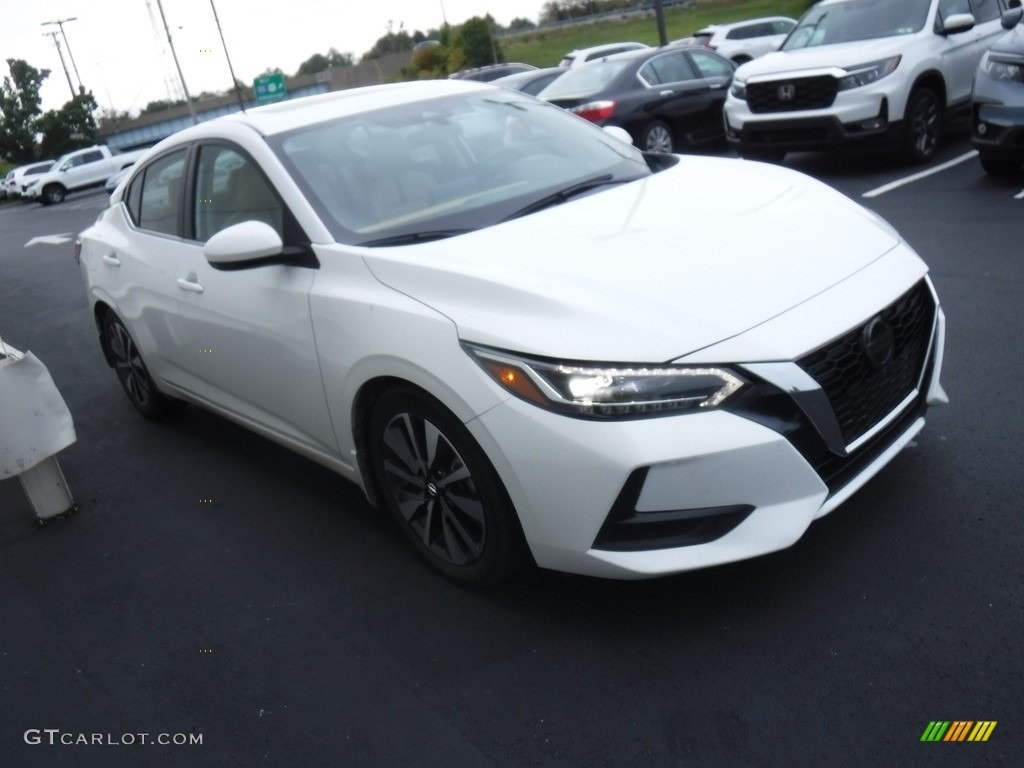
(441, 489)
(657, 137)
(923, 121)
(131, 371)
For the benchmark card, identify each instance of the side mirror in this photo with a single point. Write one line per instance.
(64, 167)
(1011, 18)
(243, 245)
(957, 22)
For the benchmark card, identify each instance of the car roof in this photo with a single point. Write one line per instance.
(284, 116)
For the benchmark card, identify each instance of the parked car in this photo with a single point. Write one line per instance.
(665, 98)
(479, 309)
(584, 55)
(111, 184)
(742, 41)
(491, 72)
(881, 74)
(998, 100)
(18, 179)
(532, 82)
(78, 170)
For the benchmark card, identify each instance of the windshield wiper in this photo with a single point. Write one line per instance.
(564, 194)
(415, 237)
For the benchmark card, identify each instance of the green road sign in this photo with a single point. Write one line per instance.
(269, 88)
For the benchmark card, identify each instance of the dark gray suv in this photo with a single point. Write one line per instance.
(997, 102)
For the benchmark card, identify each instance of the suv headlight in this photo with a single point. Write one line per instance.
(865, 74)
(739, 89)
(999, 69)
(608, 391)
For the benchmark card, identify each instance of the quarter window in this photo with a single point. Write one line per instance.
(156, 194)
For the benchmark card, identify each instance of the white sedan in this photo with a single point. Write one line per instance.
(516, 333)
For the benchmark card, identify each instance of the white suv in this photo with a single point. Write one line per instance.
(742, 41)
(862, 72)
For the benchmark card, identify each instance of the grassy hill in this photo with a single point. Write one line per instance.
(545, 48)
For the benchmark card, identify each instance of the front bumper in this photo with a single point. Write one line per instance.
(634, 499)
(998, 130)
(870, 117)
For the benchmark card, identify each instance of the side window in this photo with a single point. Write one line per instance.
(229, 190)
(133, 197)
(985, 10)
(949, 7)
(710, 65)
(92, 157)
(161, 193)
(668, 68)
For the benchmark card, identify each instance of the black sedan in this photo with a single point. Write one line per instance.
(666, 98)
(998, 101)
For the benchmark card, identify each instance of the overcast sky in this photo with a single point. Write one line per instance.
(118, 55)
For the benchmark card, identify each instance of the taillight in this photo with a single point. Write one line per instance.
(595, 111)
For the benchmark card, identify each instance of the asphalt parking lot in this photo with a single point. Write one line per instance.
(213, 587)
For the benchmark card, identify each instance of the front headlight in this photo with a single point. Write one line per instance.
(865, 74)
(739, 89)
(608, 391)
(999, 68)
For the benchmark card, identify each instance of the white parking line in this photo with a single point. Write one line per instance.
(922, 175)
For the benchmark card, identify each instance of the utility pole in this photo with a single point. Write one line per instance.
(170, 42)
(234, 80)
(60, 53)
(60, 23)
(659, 12)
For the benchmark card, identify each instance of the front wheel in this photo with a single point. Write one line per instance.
(441, 489)
(923, 121)
(52, 194)
(995, 165)
(657, 137)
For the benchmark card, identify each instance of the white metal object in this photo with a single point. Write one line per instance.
(34, 425)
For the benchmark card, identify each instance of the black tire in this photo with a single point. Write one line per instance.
(52, 194)
(441, 489)
(741, 59)
(923, 126)
(657, 137)
(124, 358)
(995, 165)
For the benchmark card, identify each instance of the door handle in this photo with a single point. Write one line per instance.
(111, 259)
(666, 93)
(716, 86)
(190, 283)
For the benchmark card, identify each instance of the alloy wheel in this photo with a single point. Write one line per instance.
(434, 489)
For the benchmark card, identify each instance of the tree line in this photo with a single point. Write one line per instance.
(22, 119)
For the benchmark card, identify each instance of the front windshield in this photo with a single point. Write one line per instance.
(448, 164)
(852, 20)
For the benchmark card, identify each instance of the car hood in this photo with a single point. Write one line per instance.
(647, 271)
(841, 55)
